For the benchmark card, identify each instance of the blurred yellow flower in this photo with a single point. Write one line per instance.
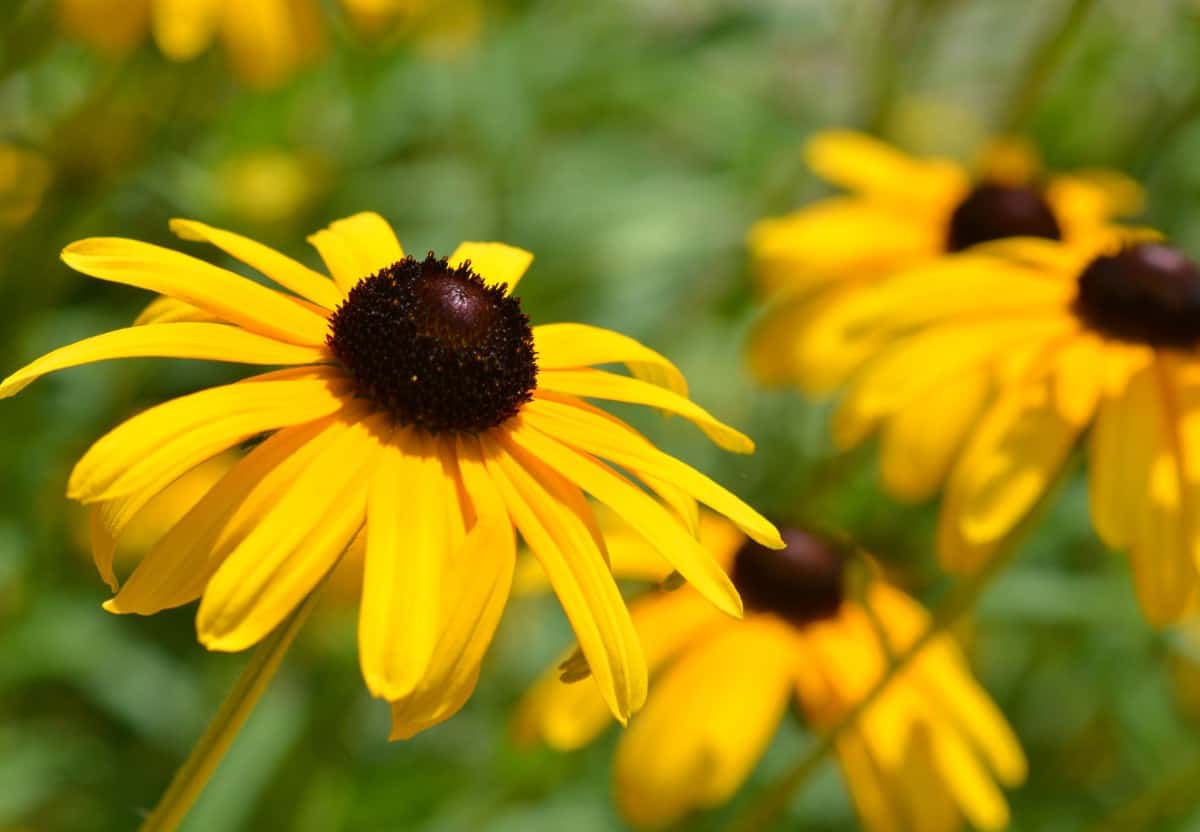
(927, 752)
(24, 177)
(265, 40)
(412, 406)
(445, 26)
(268, 186)
(986, 368)
(900, 212)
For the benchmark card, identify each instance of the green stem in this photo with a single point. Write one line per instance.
(775, 799)
(1041, 65)
(192, 776)
(893, 29)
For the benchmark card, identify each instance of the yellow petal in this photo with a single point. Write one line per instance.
(208, 342)
(176, 570)
(570, 346)
(568, 716)
(706, 726)
(549, 512)
(480, 574)
(877, 807)
(1010, 462)
(166, 310)
(267, 40)
(914, 458)
(268, 572)
(184, 28)
(497, 263)
(158, 445)
(227, 295)
(608, 438)
(598, 384)
(282, 269)
(863, 163)
(407, 565)
(638, 509)
(357, 247)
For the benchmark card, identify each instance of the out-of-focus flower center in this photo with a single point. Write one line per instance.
(800, 583)
(994, 212)
(435, 346)
(1147, 293)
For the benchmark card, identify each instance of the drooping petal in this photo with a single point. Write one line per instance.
(229, 296)
(1010, 463)
(638, 509)
(285, 271)
(572, 346)
(357, 247)
(176, 570)
(598, 384)
(860, 162)
(877, 806)
(152, 449)
(267, 573)
(480, 579)
(496, 263)
(407, 565)
(548, 511)
(568, 716)
(914, 459)
(607, 438)
(207, 342)
(707, 724)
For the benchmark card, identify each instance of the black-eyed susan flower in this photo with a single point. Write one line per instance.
(900, 212)
(418, 404)
(1027, 346)
(266, 40)
(929, 751)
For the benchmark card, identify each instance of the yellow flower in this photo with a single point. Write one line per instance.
(988, 367)
(927, 751)
(266, 40)
(24, 177)
(901, 212)
(416, 402)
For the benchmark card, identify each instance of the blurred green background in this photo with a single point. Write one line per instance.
(629, 144)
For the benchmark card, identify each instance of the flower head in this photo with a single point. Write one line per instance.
(931, 745)
(986, 370)
(418, 405)
(901, 212)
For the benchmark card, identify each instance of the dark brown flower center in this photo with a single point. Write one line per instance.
(993, 212)
(800, 583)
(435, 346)
(1148, 293)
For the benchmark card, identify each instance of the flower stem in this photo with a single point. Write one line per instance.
(192, 776)
(1042, 62)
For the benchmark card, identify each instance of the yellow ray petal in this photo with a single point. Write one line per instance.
(548, 511)
(357, 247)
(177, 568)
(707, 724)
(605, 437)
(914, 459)
(1121, 442)
(227, 295)
(638, 509)
(166, 310)
(1012, 459)
(407, 565)
(875, 804)
(208, 342)
(496, 263)
(266, 41)
(480, 579)
(568, 716)
(977, 795)
(570, 346)
(155, 447)
(285, 271)
(184, 28)
(863, 163)
(269, 571)
(598, 384)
